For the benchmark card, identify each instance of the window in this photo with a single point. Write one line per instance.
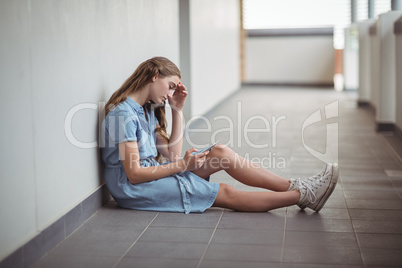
(260, 14)
(362, 10)
(381, 6)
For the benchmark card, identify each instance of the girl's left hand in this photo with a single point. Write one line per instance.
(176, 101)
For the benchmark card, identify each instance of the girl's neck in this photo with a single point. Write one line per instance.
(140, 96)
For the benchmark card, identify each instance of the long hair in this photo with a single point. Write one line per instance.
(160, 66)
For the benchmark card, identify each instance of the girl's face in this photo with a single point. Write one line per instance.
(162, 87)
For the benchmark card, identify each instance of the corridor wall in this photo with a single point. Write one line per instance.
(386, 109)
(299, 59)
(213, 49)
(60, 62)
(364, 50)
(55, 55)
(351, 58)
(398, 38)
(379, 56)
(374, 65)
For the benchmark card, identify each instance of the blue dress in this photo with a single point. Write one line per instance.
(181, 192)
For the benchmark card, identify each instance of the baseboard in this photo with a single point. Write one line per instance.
(363, 104)
(46, 240)
(283, 84)
(398, 132)
(385, 127)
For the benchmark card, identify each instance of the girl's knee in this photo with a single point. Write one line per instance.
(226, 196)
(220, 151)
(227, 191)
(220, 157)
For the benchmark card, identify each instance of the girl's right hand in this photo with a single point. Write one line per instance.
(194, 162)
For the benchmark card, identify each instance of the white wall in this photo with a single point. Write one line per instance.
(398, 38)
(17, 168)
(351, 58)
(215, 54)
(290, 59)
(364, 88)
(386, 109)
(55, 55)
(375, 64)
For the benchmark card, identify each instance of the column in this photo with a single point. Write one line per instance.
(185, 52)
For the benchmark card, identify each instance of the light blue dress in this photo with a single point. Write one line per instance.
(181, 192)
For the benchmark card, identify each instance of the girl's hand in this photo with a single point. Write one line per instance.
(194, 162)
(176, 101)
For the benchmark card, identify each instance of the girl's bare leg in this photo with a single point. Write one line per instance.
(229, 197)
(243, 170)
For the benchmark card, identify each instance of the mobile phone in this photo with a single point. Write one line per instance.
(206, 149)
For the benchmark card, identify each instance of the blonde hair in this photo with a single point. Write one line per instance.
(143, 75)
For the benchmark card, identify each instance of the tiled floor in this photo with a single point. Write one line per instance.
(360, 226)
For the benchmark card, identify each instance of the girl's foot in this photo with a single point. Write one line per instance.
(294, 182)
(314, 194)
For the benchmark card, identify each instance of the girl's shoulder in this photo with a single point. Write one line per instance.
(122, 110)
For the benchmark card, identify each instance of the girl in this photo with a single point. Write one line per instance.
(135, 136)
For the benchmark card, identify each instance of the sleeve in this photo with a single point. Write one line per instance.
(122, 127)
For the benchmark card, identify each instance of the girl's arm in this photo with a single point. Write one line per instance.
(172, 150)
(136, 174)
(176, 138)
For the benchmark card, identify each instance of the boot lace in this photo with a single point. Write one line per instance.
(309, 187)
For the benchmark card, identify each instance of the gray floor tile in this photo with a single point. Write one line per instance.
(390, 165)
(208, 219)
(322, 255)
(77, 261)
(238, 264)
(334, 202)
(102, 231)
(234, 252)
(143, 249)
(367, 179)
(379, 227)
(394, 173)
(183, 235)
(310, 265)
(382, 257)
(363, 171)
(246, 188)
(317, 239)
(375, 204)
(359, 165)
(250, 237)
(326, 213)
(114, 215)
(372, 195)
(375, 215)
(384, 241)
(156, 263)
(396, 182)
(338, 192)
(368, 186)
(319, 225)
(93, 247)
(239, 220)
